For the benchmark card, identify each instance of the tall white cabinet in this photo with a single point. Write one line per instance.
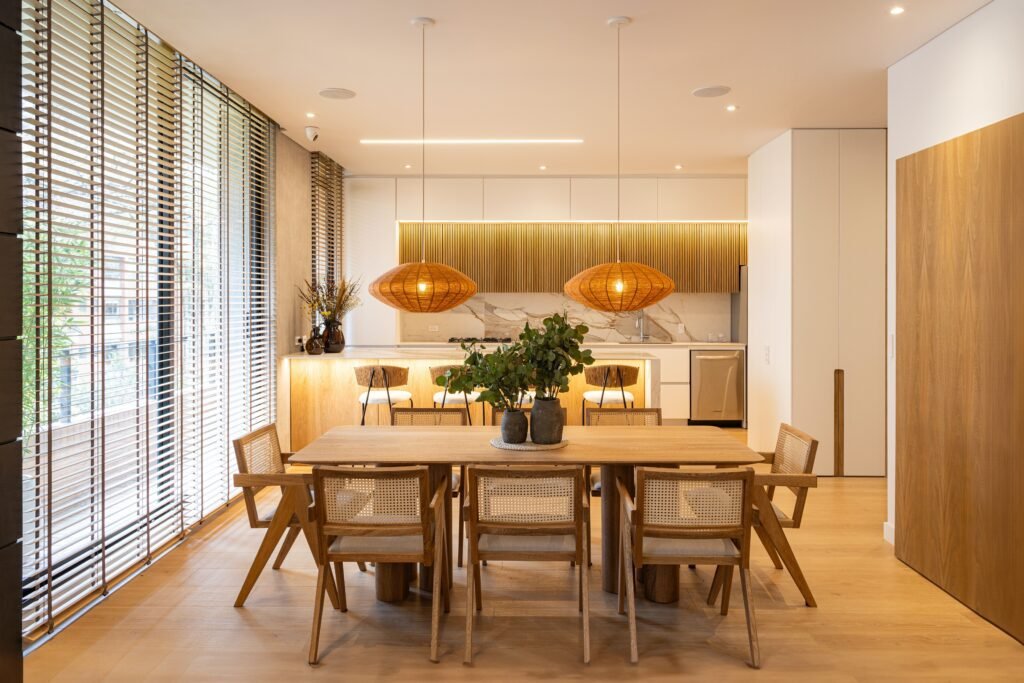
(830, 302)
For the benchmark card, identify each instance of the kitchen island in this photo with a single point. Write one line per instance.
(323, 392)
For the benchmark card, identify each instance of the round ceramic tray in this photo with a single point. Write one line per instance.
(528, 445)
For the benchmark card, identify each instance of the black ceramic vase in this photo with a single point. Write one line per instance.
(546, 421)
(333, 338)
(513, 426)
(314, 346)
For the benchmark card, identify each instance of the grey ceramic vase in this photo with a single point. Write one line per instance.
(546, 421)
(513, 426)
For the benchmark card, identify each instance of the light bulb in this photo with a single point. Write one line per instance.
(422, 286)
(619, 286)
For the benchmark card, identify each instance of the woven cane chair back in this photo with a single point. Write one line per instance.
(624, 417)
(428, 417)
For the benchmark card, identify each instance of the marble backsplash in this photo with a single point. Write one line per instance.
(678, 317)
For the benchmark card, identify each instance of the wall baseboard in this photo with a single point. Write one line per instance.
(889, 533)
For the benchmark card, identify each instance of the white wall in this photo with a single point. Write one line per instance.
(965, 79)
(769, 304)
(374, 204)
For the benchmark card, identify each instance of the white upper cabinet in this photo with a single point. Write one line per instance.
(526, 199)
(702, 199)
(448, 199)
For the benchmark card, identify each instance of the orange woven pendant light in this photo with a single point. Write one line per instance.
(423, 287)
(619, 287)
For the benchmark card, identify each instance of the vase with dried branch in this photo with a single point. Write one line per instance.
(327, 303)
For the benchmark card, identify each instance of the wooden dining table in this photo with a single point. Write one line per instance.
(616, 450)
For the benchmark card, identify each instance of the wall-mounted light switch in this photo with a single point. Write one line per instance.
(433, 328)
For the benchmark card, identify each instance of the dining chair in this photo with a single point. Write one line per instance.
(381, 383)
(259, 452)
(444, 397)
(382, 514)
(525, 513)
(792, 464)
(686, 516)
(608, 377)
(437, 417)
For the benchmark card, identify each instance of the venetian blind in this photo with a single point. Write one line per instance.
(148, 319)
(326, 219)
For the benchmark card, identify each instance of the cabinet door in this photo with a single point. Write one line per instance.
(861, 277)
(816, 287)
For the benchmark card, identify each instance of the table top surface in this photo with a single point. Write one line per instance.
(471, 445)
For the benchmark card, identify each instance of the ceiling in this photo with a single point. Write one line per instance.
(546, 68)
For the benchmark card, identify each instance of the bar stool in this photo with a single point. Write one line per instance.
(380, 382)
(443, 397)
(608, 377)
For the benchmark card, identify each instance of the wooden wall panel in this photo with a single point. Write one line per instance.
(541, 257)
(960, 368)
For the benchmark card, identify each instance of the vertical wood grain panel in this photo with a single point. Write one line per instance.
(541, 257)
(959, 371)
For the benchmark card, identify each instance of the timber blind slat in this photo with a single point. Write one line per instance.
(541, 257)
(326, 217)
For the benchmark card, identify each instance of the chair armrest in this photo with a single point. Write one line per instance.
(802, 481)
(769, 456)
(285, 457)
(628, 506)
(283, 479)
(438, 498)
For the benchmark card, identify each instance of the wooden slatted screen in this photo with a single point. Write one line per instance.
(540, 257)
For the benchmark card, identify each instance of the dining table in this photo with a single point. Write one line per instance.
(617, 450)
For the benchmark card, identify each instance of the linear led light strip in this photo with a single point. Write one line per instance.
(473, 141)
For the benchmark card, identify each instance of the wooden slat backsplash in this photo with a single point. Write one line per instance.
(540, 257)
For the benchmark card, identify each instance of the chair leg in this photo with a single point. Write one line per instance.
(716, 585)
(339, 573)
(467, 658)
(585, 574)
(362, 566)
(773, 554)
(726, 589)
(748, 607)
(362, 420)
(621, 578)
(293, 533)
(462, 521)
(627, 556)
(436, 599)
(318, 613)
(479, 588)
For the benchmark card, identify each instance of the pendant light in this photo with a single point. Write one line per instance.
(620, 286)
(423, 286)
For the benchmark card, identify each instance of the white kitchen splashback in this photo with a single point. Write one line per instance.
(679, 317)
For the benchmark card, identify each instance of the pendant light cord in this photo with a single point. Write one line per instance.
(618, 138)
(423, 142)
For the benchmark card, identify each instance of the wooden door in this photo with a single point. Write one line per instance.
(960, 368)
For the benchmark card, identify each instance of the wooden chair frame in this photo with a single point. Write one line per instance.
(634, 529)
(625, 412)
(476, 528)
(431, 526)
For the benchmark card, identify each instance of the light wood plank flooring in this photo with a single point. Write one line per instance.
(877, 619)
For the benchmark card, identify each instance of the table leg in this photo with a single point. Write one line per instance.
(770, 524)
(392, 580)
(661, 582)
(611, 511)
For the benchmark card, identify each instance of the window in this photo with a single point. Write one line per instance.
(148, 335)
(326, 176)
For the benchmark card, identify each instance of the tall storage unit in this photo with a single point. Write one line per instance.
(835, 219)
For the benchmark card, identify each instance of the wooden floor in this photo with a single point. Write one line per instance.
(876, 619)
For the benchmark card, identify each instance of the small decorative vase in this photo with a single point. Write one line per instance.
(314, 346)
(333, 338)
(513, 426)
(546, 421)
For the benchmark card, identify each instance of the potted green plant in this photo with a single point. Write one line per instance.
(503, 376)
(330, 301)
(554, 354)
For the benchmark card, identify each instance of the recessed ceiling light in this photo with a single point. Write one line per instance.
(337, 93)
(712, 91)
(679, 167)
(543, 168)
(731, 107)
(408, 166)
(310, 115)
(896, 11)
(471, 141)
